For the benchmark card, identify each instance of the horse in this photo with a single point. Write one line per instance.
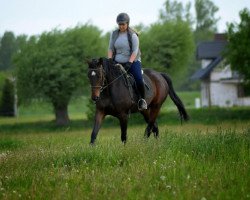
(113, 96)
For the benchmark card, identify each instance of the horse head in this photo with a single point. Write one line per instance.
(96, 77)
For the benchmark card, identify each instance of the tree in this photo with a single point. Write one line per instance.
(2, 83)
(52, 66)
(206, 22)
(238, 49)
(7, 99)
(8, 47)
(167, 47)
(174, 10)
(204, 29)
(198, 28)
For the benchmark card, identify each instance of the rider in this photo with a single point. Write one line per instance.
(124, 49)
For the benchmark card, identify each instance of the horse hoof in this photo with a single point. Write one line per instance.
(124, 142)
(91, 144)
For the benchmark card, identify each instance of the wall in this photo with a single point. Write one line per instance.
(220, 88)
(223, 95)
(218, 74)
(205, 63)
(205, 94)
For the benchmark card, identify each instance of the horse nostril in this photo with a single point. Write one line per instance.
(95, 98)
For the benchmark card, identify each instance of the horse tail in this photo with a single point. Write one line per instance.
(177, 101)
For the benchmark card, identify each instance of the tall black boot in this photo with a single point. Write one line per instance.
(142, 104)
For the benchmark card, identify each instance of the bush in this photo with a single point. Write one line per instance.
(7, 99)
(91, 110)
(2, 80)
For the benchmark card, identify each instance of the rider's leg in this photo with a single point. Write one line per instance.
(136, 71)
(142, 104)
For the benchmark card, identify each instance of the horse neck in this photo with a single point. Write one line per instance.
(112, 74)
(115, 83)
(117, 90)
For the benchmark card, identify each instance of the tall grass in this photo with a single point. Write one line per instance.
(187, 162)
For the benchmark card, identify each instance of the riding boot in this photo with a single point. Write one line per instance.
(142, 104)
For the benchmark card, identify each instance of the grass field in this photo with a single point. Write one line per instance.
(206, 158)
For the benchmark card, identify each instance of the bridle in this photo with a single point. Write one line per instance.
(101, 87)
(103, 77)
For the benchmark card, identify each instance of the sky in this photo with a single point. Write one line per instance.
(32, 17)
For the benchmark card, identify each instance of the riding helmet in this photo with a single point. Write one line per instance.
(122, 18)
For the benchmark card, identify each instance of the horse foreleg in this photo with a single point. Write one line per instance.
(124, 124)
(98, 120)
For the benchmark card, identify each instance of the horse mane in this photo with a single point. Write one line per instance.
(112, 70)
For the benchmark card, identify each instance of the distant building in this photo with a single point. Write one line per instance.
(220, 86)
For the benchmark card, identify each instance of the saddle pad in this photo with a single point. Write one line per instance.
(148, 86)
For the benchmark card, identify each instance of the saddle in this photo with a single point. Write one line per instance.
(130, 83)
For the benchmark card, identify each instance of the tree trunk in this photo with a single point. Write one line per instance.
(62, 117)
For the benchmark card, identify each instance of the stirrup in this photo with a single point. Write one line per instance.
(142, 104)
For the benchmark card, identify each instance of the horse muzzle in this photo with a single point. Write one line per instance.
(96, 92)
(95, 98)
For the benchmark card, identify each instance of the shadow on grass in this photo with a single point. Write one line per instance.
(202, 116)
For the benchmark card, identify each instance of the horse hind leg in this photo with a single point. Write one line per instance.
(155, 130)
(152, 120)
(152, 128)
(150, 117)
(148, 131)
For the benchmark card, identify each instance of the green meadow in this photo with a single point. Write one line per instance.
(205, 158)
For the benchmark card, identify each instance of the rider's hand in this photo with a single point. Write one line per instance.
(128, 65)
(110, 61)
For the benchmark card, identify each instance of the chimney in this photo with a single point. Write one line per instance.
(220, 37)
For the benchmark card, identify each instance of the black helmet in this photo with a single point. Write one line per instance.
(122, 18)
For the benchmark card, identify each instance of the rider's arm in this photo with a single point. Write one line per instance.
(110, 53)
(132, 57)
(111, 47)
(135, 48)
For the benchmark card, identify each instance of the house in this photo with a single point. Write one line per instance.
(220, 86)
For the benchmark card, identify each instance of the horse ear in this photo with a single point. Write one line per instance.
(100, 61)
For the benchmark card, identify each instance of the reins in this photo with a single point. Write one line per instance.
(113, 80)
(103, 76)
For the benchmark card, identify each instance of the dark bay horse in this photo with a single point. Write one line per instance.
(112, 96)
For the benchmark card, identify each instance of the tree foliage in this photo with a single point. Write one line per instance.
(201, 27)
(174, 10)
(206, 22)
(7, 99)
(52, 65)
(8, 47)
(238, 49)
(168, 47)
(204, 30)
